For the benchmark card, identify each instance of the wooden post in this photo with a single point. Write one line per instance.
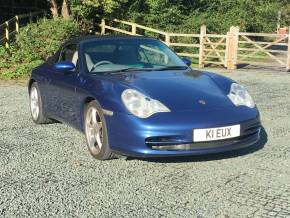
(43, 14)
(133, 29)
(103, 26)
(232, 48)
(228, 39)
(235, 46)
(229, 50)
(167, 39)
(7, 35)
(288, 54)
(17, 24)
(30, 18)
(201, 46)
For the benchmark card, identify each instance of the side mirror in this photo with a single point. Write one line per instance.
(64, 66)
(187, 61)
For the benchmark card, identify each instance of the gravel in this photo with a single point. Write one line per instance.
(46, 170)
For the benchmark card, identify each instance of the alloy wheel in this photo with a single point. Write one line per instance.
(94, 130)
(34, 103)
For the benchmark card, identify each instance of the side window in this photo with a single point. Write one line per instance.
(68, 53)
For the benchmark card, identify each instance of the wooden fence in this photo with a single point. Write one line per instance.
(11, 27)
(228, 50)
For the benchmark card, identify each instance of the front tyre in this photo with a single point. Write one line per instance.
(96, 132)
(36, 108)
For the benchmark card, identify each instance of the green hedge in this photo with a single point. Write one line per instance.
(34, 44)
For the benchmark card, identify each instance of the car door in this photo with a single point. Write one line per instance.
(62, 87)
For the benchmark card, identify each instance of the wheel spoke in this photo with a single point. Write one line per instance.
(89, 125)
(98, 126)
(99, 139)
(94, 116)
(33, 112)
(92, 137)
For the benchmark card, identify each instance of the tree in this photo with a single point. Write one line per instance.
(105, 6)
(53, 8)
(65, 10)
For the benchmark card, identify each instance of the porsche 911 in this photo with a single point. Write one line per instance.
(133, 96)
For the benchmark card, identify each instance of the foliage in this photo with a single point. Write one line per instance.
(163, 13)
(188, 15)
(34, 44)
(86, 11)
(44, 37)
(286, 15)
(218, 15)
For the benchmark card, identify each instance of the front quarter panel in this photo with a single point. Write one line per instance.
(40, 75)
(36, 75)
(107, 93)
(101, 89)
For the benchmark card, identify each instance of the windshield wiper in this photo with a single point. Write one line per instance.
(172, 68)
(134, 69)
(131, 69)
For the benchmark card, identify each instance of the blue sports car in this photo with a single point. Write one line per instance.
(134, 96)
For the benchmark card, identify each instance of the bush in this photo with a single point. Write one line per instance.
(217, 15)
(34, 44)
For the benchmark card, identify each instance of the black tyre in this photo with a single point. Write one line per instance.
(96, 132)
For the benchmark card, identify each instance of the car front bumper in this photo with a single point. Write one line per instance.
(171, 134)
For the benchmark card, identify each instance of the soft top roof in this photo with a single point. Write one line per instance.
(92, 37)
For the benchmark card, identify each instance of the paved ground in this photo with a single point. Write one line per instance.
(46, 170)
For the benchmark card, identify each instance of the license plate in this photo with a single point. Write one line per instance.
(213, 134)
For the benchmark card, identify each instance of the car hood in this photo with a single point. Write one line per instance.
(178, 90)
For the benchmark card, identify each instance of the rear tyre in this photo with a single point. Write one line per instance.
(36, 107)
(96, 132)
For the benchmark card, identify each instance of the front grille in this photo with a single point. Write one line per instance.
(250, 127)
(203, 145)
(249, 131)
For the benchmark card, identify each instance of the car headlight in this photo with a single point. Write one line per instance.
(141, 105)
(240, 96)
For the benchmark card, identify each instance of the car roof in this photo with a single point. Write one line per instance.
(79, 39)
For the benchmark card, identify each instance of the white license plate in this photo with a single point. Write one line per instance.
(213, 134)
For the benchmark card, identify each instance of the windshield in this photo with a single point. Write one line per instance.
(112, 55)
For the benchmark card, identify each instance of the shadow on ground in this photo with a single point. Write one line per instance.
(210, 157)
(263, 67)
